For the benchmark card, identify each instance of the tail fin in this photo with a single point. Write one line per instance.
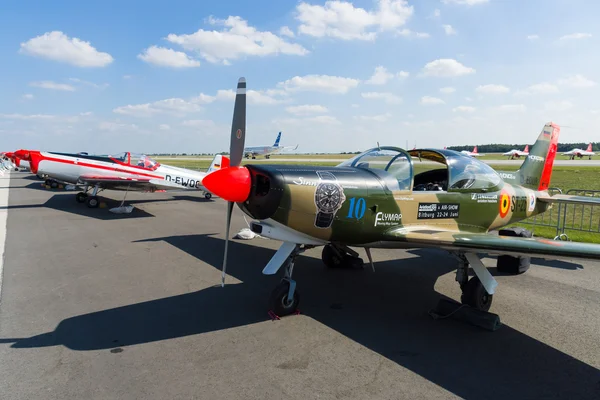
(526, 149)
(277, 140)
(536, 170)
(589, 148)
(219, 162)
(475, 150)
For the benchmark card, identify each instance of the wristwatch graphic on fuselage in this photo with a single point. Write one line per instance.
(329, 197)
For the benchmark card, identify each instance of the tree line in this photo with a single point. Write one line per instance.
(503, 148)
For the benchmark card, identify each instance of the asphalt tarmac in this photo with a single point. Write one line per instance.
(103, 306)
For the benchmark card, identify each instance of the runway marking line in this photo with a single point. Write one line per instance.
(4, 183)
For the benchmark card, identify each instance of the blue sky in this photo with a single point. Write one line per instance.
(155, 76)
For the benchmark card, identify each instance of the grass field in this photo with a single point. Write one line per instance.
(585, 218)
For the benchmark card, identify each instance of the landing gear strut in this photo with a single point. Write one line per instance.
(335, 256)
(284, 298)
(477, 292)
(92, 201)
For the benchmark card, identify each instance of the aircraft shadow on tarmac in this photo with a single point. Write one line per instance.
(385, 311)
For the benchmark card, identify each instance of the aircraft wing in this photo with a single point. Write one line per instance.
(567, 198)
(138, 183)
(494, 244)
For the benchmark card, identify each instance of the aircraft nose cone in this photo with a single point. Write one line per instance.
(231, 184)
(23, 154)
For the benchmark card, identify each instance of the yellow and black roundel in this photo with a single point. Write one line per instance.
(504, 204)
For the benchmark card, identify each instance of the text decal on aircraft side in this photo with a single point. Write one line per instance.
(187, 182)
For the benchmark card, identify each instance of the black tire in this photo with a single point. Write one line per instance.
(93, 202)
(278, 300)
(207, 196)
(474, 295)
(330, 257)
(81, 197)
(53, 184)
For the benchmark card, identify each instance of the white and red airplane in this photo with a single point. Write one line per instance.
(580, 153)
(473, 153)
(125, 171)
(514, 153)
(18, 164)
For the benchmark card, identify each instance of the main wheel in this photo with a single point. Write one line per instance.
(93, 202)
(207, 196)
(331, 258)
(279, 300)
(53, 184)
(81, 197)
(474, 295)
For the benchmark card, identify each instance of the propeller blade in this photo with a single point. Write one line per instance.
(229, 212)
(238, 125)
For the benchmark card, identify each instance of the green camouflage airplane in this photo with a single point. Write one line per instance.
(387, 197)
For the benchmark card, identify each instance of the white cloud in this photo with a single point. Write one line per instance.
(373, 118)
(307, 109)
(57, 46)
(542, 88)
(492, 89)
(164, 127)
(532, 37)
(387, 96)
(467, 109)
(116, 126)
(436, 13)
(510, 108)
(449, 30)
(268, 97)
(173, 106)
(447, 90)
(408, 33)
(403, 74)
(380, 76)
(286, 31)
(446, 67)
(465, 2)
(28, 117)
(88, 83)
(577, 81)
(468, 99)
(428, 100)
(164, 57)
(27, 96)
(238, 39)
(324, 119)
(319, 83)
(198, 123)
(52, 86)
(340, 19)
(127, 76)
(575, 36)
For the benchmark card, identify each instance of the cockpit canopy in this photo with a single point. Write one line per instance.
(419, 169)
(135, 160)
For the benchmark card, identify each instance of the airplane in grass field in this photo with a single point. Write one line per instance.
(473, 153)
(381, 199)
(124, 171)
(267, 150)
(514, 153)
(580, 153)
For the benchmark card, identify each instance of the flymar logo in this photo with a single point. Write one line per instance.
(387, 219)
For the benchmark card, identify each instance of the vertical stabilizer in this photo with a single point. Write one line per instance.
(526, 149)
(536, 170)
(589, 148)
(276, 144)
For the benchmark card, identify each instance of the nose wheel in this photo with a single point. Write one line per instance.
(280, 302)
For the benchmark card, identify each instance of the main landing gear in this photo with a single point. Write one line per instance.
(284, 298)
(52, 183)
(477, 292)
(91, 201)
(207, 196)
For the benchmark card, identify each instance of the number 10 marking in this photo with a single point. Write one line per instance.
(357, 208)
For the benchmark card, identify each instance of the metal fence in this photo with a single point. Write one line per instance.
(569, 217)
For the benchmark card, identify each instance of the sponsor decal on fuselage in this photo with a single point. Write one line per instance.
(187, 182)
(505, 175)
(437, 210)
(305, 182)
(535, 158)
(531, 204)
(387, 219)
(484, 197)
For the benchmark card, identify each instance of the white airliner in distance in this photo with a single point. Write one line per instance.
(580, 153)
(514, 153)
(267, 150)
(126, 171)
(473, 153)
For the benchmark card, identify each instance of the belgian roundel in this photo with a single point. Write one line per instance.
(504, 205)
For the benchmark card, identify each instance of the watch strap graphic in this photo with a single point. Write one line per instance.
(323, 220)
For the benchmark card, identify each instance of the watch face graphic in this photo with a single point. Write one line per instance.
(329, 197)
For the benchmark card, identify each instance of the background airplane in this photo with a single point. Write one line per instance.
(267, 150)
(360, 204)
(19, 164)
(580, 153)
(125, 171)
(514, 153)
(473, 153)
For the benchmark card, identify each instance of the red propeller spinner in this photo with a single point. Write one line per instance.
(231, 184)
